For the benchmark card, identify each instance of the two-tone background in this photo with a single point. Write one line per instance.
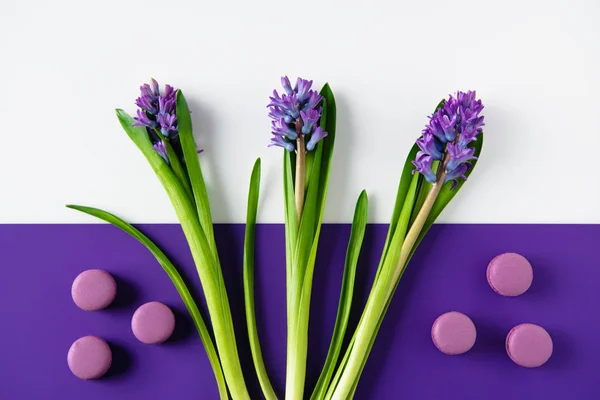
(66, 65)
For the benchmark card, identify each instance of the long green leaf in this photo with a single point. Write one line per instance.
(357, 234)
(192, 163)
(257, 357)
(446, 194)
(308, 239)
(178, 282)
(328, 120)
(206, 262)
(301, 286)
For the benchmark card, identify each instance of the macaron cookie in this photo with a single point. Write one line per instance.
(89, 357)
(529, 345)
(93, 290)
(153, 323)
(453, 333)
(510, 274)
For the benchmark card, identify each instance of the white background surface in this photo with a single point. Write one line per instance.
(65, 66)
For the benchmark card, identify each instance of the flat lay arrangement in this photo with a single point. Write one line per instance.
(315, 201)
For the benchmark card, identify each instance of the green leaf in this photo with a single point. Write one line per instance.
(205, 259)
(178, 168)
(257, 357)
(192, 163)
(178, 282)
(301, 285)
(306, 250)
(328, 119)
(357, 234)
(441, 202)
(291, 223)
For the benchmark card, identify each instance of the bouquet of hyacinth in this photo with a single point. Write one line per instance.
(303, 124)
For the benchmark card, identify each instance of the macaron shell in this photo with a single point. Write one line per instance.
(89, 357)
(529, 345)
(510, 274)
(153, 323)
(93, 290)
(453, 333)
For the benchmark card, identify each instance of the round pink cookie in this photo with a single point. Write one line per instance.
(453, 333)
(89, 357)
(93, 290)
(510, 274)
(529, 345)
(153, 323)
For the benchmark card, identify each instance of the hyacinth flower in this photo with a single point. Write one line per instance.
(295, 127)
(162, 130)
(436, 168)
(303, 124)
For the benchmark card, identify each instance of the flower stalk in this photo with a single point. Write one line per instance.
(301, 119)
(445, 156)
(162, 130)
(300, 177)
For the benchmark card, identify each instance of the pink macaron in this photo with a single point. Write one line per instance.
(153, 323)
(89, 357)
(529, 345)
(510, 274)
(93, 290)
(453, 333)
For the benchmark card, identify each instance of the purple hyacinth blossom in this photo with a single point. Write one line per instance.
(167, 124)
(281, 142)
(286, 103)
(143, 120)
(303, 89)
(161, 149)
(166, 105)
(296, 114)
(287, 86)
(443, 126)
(429, 145)
(315, 137)
(458, 155)
(452, 127)
(150, 91)
(280, 128)
(456, 174)
(309, 119)
(147, 103)
(157, 110)
(423, 163)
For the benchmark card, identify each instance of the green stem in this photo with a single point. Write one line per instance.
(176, 164)
(215, 292)
(257, 358)
(300, 175)
(376, 305)
(177, 281)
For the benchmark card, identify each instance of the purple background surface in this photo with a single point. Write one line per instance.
(40, 321)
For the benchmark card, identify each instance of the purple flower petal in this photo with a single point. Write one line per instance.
(287, 86)
(309, 119)
(161, 149)
(295, 109)
(315, 137)
(281, 142)
(303, 89)
(280, 128)
(168, 124)
(423, 163)
(429, 145)
(143, 120)
(456, 174)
